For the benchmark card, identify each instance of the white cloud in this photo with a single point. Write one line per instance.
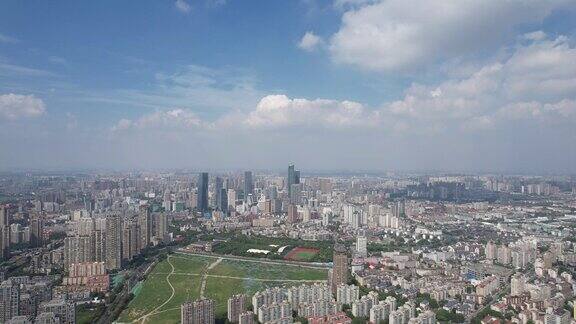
(183, 6)
(275, 111)
(167, 120)
(310, 42)
(404, 35)
(536, 82)
(15, 106)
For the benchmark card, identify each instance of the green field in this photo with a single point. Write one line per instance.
(223, 278)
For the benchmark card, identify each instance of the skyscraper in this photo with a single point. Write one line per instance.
(340, 267)
(113, 242)
(223, 205)
(202, 204)
(4, 216)
(293, 178)
(5, 242)
(218, 191)
(248, 184)
(145, 224)
(36, 231)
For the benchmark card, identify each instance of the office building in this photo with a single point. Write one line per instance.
(248, 184)
(202, 194)
(293, 178)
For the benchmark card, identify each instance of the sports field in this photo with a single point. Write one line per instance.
(183, 277)
(301, 254)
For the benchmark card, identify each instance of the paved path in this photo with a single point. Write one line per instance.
(205, 276)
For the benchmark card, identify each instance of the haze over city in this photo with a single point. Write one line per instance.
(462, 86)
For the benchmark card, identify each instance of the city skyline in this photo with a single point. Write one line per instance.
(328, 85)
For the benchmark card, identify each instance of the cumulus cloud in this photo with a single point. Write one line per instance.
(403, 35)
(536, 82)
(310, 42)
(272, 112)
(281, 111)
(15, 106)
(182, 6)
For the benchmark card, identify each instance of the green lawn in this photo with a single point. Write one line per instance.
(247, 269)
(187, 281)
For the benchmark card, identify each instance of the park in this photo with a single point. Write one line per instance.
(183, 276)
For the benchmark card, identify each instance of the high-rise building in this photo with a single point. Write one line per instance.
(77, 249)
(113, 242)
(9, 300)
(160, 226)
(198, 312)
(223, 204)
(145, 224)
(99, 240)
(293, 178)
(4, 233)
(130, 239)
(5, 242)
(63, 309)
(246, 318)
(202, 204)
(399, 208)
(296, 193)
(346, 294)
(231, 199)
(517, 284)
(36, 231)
(339, 275)
(362, 244)
(292, 214)
(4, 216)
(236, 306)
(218, 186)
(248, 184)
(490, 250)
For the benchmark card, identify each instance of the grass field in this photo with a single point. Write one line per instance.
(156, 302)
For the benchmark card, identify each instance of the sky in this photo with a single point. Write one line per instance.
(389, 85)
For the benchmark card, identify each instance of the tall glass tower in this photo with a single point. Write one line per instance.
(203, 192)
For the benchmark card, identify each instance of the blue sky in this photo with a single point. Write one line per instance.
(344, 84)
